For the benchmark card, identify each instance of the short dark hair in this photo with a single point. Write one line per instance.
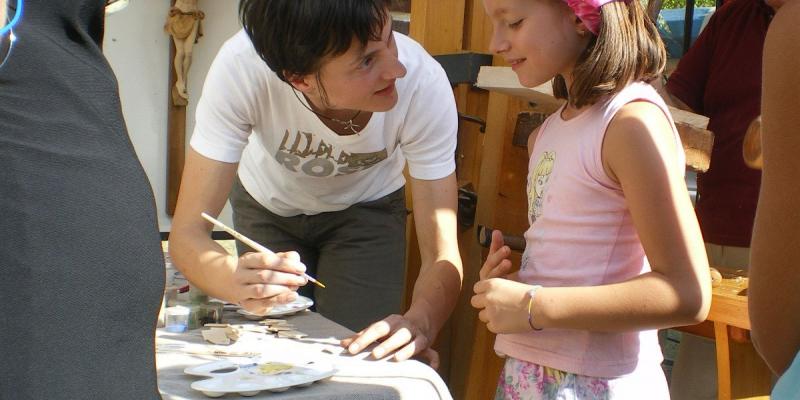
(627, 49)
(295, 36)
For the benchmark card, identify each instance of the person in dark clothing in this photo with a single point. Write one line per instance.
(81, 267)
(720, 77)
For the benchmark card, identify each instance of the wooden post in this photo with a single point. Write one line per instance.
(176, 135)
(439, 26)
(183, 25)
(451, 26)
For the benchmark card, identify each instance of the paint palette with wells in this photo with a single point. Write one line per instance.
(253, 378)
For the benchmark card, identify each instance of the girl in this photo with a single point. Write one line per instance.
(614, 252)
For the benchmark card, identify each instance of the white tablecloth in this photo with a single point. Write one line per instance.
(357, 377)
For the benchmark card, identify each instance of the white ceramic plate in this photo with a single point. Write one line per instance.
(250, 379)
(299, 304)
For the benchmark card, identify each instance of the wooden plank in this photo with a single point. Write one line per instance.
(742, 374)
(176, 153)
(504, 80)
(470, 138)
(400, 5)
(438, 25)
(706, 329)
(479, 28)
(468, 372)
(511, 215)
(696, 139)
(470, 159)
(176, 136)
(731, 310)
(723, 362)
(729, 303)
(502, 204)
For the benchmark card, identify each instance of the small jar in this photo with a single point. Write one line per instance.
(176, 319)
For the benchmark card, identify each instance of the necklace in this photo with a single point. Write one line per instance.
(347, 124)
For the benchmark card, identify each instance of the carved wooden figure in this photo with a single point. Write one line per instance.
(183, 24)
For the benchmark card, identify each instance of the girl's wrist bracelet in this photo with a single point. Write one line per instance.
(531, 296)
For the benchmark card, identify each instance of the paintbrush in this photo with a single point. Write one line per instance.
(244, 239)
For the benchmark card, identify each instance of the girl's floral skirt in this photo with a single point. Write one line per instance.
(522, 380)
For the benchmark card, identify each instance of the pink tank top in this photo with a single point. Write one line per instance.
(582, 234)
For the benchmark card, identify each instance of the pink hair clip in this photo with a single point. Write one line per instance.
(589, 12)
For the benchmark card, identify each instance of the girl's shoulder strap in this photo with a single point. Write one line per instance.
(642, 91)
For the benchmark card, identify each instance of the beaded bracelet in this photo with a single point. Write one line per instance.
(531, 295)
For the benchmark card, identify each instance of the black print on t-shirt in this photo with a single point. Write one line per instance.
(311, 156)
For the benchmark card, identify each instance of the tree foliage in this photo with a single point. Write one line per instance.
(670, 4)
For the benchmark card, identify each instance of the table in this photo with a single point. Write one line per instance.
(357, 377)
(741, 373)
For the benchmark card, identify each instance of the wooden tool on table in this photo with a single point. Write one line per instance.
(516, 243)
(244, 239)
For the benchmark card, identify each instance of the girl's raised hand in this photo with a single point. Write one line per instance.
(503, 304)
(497, 263)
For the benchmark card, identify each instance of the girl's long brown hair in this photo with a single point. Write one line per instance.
(627, 49)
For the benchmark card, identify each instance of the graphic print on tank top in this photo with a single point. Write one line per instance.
(537, 184)
(538, 180)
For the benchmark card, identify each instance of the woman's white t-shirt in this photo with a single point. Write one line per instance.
(291, 163)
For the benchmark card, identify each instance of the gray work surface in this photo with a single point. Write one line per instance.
(357, 377)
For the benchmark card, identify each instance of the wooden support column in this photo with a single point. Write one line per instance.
(474, 366)
(176, 142)
(478, 28)
(438, 25)
(496, 170)
(176, 136)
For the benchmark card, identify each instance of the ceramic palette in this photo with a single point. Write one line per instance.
(299, 304)
(251, 379)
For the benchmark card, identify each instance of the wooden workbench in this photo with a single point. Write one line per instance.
(741, 373)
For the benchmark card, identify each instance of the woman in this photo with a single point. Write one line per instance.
(310, 115)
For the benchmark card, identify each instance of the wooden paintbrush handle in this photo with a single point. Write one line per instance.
(516, 243)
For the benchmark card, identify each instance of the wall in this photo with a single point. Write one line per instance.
(138, 49)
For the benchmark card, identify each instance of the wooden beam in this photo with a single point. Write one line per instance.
(723, 361)
(438, 25)
(476, 377)
(479, 34)
(501, 204)
(176, 136)
(474, 366)
(729, 303)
